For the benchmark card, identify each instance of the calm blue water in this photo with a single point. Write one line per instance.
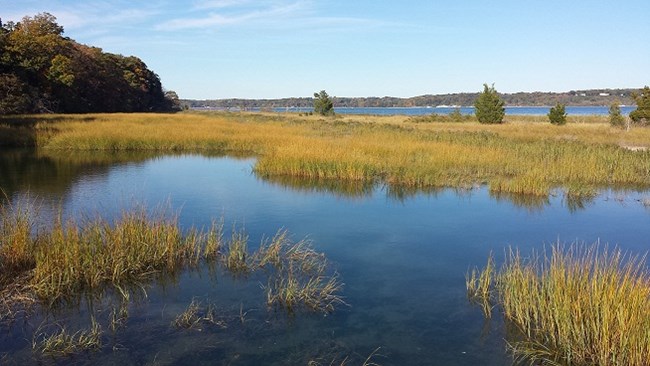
(419, 111)
(402, 256)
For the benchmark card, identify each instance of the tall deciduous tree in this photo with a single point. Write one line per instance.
(641, 115)
(323, 104)
(489, 107)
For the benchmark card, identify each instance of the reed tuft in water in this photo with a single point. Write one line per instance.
(237, 259)
(479, 286)
(16, 244)
(300, 277)
(189, 318)
(578, 305)
(87, 256)
(72, 258)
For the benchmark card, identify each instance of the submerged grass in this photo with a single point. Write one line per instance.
(578, 305)
(521, 156)
(369, 361)
(196, 315)
(64, 343)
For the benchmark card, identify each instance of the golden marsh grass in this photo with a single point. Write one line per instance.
(16, 246)
(578, 305)
(75, 257)
(521, 156)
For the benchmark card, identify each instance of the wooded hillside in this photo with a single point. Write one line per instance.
(41, 71)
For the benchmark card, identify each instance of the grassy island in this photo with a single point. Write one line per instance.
(525, 155)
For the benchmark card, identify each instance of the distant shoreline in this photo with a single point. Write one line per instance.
(578, 98)
(420, 111)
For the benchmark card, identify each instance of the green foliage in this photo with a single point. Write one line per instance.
(455, 116)
(323, 104)
(557, 115)
(42, 71)
(616, 119)
(641, 115)
(61, 70)
(489, 107)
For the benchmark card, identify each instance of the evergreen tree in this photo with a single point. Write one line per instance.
(557, 115)
(323, 104)
(616, 119)
(489, 107)
(641, 115)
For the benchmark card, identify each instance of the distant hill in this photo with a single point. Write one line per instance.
(592, 97)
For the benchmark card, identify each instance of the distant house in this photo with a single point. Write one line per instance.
(604, 94)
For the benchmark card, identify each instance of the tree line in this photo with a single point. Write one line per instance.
(593, 97)
(489, 107)
(41, 71)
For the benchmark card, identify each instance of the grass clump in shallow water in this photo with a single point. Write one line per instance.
(237, 259)
(16, 244)
(214, 240)
(196, 315)
(89, 261)
(300, 276)
(580, 305)
(76, 257)
(479, 286)
(72, 258)
(64, 343)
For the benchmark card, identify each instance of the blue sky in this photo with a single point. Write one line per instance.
(206, 49)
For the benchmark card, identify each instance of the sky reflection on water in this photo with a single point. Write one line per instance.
(402, 255)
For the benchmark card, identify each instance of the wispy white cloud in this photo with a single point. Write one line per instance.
(273, 14)
(219, 4)
(96, 18)
(92, 19)
(234, 12)
(93, 15)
